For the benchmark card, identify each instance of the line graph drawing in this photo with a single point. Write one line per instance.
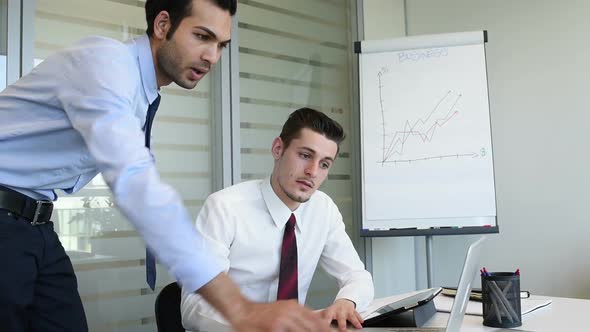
(424, 128)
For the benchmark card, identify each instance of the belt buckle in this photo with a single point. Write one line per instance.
(40, 204)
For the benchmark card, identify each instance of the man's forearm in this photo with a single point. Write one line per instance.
(225, 296)
(288, 316)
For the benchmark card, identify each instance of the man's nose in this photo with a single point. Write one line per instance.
(212, 54)
(311, 169)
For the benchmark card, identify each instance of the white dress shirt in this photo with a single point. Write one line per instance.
(244, 225)
(80, 112)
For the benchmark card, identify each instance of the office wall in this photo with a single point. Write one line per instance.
(538, 64)
(383, 19)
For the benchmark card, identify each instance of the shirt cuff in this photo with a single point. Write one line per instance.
(194, 276)
(361, 301)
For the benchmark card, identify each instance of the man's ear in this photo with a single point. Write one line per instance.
(277, 148)
(161, 25)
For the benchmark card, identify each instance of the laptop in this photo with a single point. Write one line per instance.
(470, 269)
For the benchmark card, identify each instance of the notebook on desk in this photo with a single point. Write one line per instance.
(470, 269)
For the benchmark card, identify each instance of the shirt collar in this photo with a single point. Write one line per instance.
(280, 212)
(147, 69)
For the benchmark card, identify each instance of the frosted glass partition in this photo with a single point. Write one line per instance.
(3, 41)
(294, 54)
(2, 71)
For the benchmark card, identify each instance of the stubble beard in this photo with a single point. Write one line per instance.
(293, 197)
(169, 63)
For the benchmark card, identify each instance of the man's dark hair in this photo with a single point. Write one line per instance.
(178, 10)
(314, 120)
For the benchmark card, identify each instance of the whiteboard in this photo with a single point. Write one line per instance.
(426, 145)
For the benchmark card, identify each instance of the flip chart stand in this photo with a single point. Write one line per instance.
(429, 268)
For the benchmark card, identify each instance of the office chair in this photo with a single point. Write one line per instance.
(168, 318)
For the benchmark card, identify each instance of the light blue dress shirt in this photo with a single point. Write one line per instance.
(80, 112)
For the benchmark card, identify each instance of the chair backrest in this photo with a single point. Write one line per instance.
(167, 308)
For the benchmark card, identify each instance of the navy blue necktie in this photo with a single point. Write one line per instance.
(150, 260)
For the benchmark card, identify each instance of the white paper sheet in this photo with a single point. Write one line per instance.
(444, 303)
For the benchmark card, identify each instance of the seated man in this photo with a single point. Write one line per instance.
(272, 233)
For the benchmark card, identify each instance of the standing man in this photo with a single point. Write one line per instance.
(271, 234)
(83, 111)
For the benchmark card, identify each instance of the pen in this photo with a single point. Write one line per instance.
(496, 310)
(497, 300)
(507, 288)
(503, 301)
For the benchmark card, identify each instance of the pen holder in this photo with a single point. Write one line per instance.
(501, 299)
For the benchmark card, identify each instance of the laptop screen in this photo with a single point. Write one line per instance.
(470, 268)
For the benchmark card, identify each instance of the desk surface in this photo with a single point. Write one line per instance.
(563, 314)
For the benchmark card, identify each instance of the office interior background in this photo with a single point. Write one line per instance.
(288, 54)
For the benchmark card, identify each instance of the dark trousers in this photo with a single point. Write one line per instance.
(38, 287)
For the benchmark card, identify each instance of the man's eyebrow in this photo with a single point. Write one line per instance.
(308, 149)
(211, 33)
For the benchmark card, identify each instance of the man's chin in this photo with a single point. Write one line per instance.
(302, 198)
(186, 84)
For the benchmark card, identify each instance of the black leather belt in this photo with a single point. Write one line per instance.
(35, 211)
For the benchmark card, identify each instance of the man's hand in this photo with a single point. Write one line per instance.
(246, 316)
(343, 310)
(280, 316)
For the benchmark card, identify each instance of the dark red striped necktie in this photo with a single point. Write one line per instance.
(288, 288)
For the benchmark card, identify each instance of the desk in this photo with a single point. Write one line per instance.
(564, 314)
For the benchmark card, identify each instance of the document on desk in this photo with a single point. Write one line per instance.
(444, 303)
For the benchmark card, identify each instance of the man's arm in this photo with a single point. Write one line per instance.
(340, 260)
(216, 225)
(245, 316)
(101, 106)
